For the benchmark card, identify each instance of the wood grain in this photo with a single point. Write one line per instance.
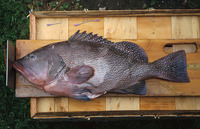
(114, 13)
(122, 103)
(187, 103)
(57, 31)
(33, 107)
(61, 104)
(157, 103)
(185, 27)
(120, 27)
(95, 27)
(45, 105)
(98, 104)
(33, 28)
(154, 27)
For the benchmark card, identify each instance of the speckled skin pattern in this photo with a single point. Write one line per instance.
(88, 66)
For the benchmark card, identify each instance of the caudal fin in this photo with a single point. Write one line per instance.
(172, 67)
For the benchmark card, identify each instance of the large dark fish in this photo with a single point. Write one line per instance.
(88, 66)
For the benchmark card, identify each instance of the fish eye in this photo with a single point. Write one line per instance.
(32, 56)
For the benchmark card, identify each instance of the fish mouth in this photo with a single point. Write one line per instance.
(20, 67)
(27, 73)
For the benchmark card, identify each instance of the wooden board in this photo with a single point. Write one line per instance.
(151, 25)
(155, 87)
(185, 27)
(119, 13)
(120, 27)
(154, 27)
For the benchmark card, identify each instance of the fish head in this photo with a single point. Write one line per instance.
(40, 67)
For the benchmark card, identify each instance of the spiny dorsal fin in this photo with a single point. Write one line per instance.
(84, 37)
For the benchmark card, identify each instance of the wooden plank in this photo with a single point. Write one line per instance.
(45, 105)
(120, 27)
(185, 27)
(155, 87)
(98, 104)
(33, 107)
(122, 103)
(187, 103)
(33, 28)
(61, 104)
(157, 103)
(143, 113)
(58, 29)
(92, 26)
(117, 13)
(154, 27)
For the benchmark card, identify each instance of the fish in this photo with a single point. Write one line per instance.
(87, 66)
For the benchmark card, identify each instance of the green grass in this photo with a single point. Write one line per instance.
(15, 112)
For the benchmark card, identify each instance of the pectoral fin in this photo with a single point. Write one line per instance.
(80, 74)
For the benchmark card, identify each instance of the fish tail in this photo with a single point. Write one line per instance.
(172, 67)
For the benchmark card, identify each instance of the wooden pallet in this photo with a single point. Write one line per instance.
(150, 29)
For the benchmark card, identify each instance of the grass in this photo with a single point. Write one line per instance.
(15, 112)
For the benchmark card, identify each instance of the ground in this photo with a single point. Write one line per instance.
(15, 112)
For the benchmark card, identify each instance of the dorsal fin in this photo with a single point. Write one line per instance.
(132, 49)
(84, 37)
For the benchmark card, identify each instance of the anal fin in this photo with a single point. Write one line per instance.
(137, 89)
(82, 97)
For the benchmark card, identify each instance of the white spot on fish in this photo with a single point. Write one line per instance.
(52, 47)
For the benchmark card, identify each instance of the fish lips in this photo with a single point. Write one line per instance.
(28, 73)
(20, 67)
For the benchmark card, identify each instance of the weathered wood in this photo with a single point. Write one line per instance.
(61, 104)
(122, 113)
(33, 107)
(117, 13)
(185, 27)
(120, 27)
(122, 103)
(157, 103)
(187, 103)
(57, 31)
(154, 27)
(155, 87)
(98, 104)
(45, 105)
(33, 28)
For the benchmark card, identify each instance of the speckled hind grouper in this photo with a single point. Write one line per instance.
(88, 66)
